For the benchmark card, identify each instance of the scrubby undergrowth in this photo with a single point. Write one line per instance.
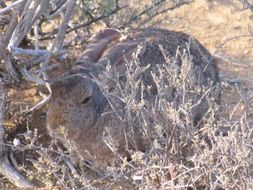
(214, 154)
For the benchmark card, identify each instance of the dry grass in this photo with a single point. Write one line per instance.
(216, 154)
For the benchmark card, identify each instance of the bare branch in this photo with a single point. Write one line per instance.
(177, 5)
(31, 52)
(57, 11)
(32, 11)
(247, 5)
(4, 40)
(13, 5)
(61, 33)
(155, 5)
(2, 110)
(13, 175)
(117, 9)
(93, 20)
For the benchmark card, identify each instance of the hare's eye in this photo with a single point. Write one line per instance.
(85, 100)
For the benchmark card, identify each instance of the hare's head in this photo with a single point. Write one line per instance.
(77, 100)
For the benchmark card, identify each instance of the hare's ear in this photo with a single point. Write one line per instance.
(117, 54)
(98, 45)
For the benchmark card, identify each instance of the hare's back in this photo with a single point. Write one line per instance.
(163, 44)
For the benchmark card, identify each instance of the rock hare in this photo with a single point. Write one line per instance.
(80, 114)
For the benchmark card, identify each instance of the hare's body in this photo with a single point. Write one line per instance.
(80, 115)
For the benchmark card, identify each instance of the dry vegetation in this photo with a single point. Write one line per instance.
(38, 36)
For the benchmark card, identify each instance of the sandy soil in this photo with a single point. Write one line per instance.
(224, 28)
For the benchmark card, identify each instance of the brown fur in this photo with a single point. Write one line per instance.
(79, 114)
